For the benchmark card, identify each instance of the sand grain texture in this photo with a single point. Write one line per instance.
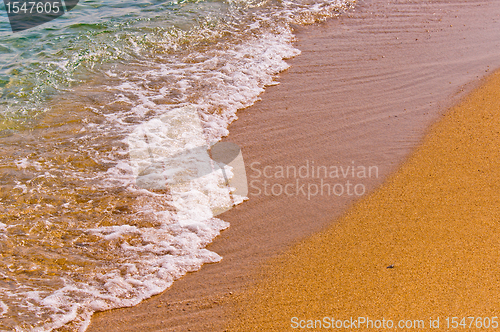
(436, 221)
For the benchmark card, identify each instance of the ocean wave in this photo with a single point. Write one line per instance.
(79, 233)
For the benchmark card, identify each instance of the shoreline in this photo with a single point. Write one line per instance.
(358, 76)
(422, 249)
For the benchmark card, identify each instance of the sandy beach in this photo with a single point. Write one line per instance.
(420, 251)
(364, 92)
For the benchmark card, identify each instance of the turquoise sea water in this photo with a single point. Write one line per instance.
(77, 232)
(39, 63)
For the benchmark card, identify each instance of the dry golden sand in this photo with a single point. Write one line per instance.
(437, 220)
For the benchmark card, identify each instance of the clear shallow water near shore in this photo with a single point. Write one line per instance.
(76, 232)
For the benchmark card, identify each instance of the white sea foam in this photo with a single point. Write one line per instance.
(178, 190)
(4, 308)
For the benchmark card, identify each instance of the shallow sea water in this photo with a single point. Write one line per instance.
(89, 104)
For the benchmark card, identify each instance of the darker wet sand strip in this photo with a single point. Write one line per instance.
(365, 89)
(424, 246)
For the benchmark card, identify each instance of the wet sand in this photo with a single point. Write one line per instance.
(424, 247)
(366, 88)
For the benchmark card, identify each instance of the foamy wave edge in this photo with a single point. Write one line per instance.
(241, 81)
